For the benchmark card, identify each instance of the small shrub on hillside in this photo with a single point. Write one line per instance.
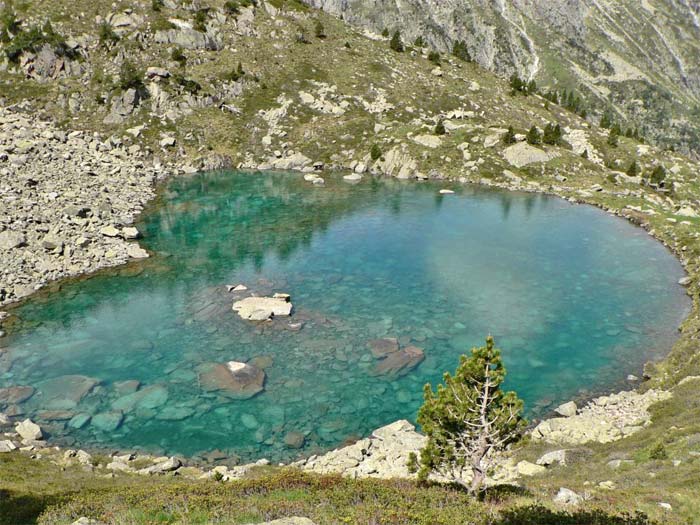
(130, 77)
(178, 56)
(658, 175)
(396, 43)
(434, 57)
(157, 5)
(509, 136)
(440, 128)
(657, 451)
(107, 35)
(540, 515)
(633, 169)
(236, 74)
(376, 152)
(200, 20)
(9, 24)
(552, 135)
(459, 49)
(385, 32)
(419, 41)
(319, 30)
(613, 138)
(606, 121)
(232, 7)
(187, 84)
(34, 39)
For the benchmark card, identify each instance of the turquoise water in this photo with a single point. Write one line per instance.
(575, 298)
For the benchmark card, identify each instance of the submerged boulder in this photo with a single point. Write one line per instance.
(12, 395)
(263, 308)
(383, 347)
(233, 379)
(65, 392)
(400, 363)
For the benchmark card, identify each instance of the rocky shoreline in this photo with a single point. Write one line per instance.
(71, 199)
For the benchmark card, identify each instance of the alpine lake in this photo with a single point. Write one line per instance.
(129, 358)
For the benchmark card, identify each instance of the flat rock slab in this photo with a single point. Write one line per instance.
(263, 308)
(522, 154)
(232, 379)
(65, 392)
(383, 347)
(15, 394)
(400, 363)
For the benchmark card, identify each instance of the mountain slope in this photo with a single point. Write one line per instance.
(640, 59)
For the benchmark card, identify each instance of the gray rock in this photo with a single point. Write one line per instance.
(7, 446)
(29, 430)
(161, 468)
(555, 456)
(9, 240)
(567, 497)
(567, 409)
(107, 421)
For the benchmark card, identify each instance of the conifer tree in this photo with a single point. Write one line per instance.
(396, 43)
(440, 128)
(467, 419)
(613, 137)
(633, 169)
(509, 136)
(534, 136)
(658, 175)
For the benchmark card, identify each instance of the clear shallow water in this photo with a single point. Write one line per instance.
(575, 298)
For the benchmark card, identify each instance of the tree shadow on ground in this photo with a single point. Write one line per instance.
(21, 509)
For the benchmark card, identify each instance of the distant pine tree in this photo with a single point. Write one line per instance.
(459, 49)
(613, 138)
(396, 43)
(658, 175)
(509, 136)
(606, 121)
(434, 57)
(633, 169)
(419, 41)
(440, 128)
(534, 136)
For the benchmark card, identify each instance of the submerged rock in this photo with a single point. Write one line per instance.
(150, 397)
(65, 392)
(383, 347)
(107, 421)
(232, 379)
(15, 394)
(400, 363)
(263, 308)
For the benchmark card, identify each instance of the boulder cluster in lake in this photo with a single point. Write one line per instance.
(393, 361)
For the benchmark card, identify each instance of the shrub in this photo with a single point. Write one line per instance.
(9, 24)
(459, 49)
(385, 32)
(396, 43)
(107, 35)
(34, 39)
(434, 57)
(440, 128)
(200, 20)
(319, 30)
(187, 84)
(613, 138)
(552, 135)
(657, 451)
(375, 152)
(633, 169)
(156, 5)
(509, 136)
(236, 74)
(178, 56)
(232, 7)
(658, 175)
(419, 41)
(130, 77)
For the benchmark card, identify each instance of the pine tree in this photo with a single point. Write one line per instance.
(606, 120)
(434, 57)
(467, 419)
(375, 152)
(633, 169)
(534, 136)
(509, 137)
(658, 175)
(613, 138)
(396, 43)
(552, 134)
(419, 42)
(440, 128)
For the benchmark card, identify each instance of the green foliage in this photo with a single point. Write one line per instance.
(419, 41)
(468, 418)
(440, 128)
(319, 30)
(459, 50)
(233, 7)
(107, 35)
(376, 152)
(236, 74)
(200, 20)
(130, 77)
(179, 56)
(156, 5)
(9, 24)
(34, 39)
(518, 85)
(434, 57)
(584, 155)
(347, 45)
(633, 169)
(540, 515)
(385, 32)
(606, 121)
(552, 135)
(658, 175)
(657, 451)
(509, 136)
(613, 137)
(396, 43)
(534, 136)
(187, 84)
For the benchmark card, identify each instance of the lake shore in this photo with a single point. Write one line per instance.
(59, 235)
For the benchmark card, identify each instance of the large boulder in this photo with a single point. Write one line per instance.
(13, 395)
(150, 397)
(29, 430)
(522, 154)
(188, 38)
(400, 363)
(233, 379)
(262, 308)
(381, 348)
(10, 240)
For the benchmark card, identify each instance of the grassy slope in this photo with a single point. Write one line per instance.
(284, 67)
